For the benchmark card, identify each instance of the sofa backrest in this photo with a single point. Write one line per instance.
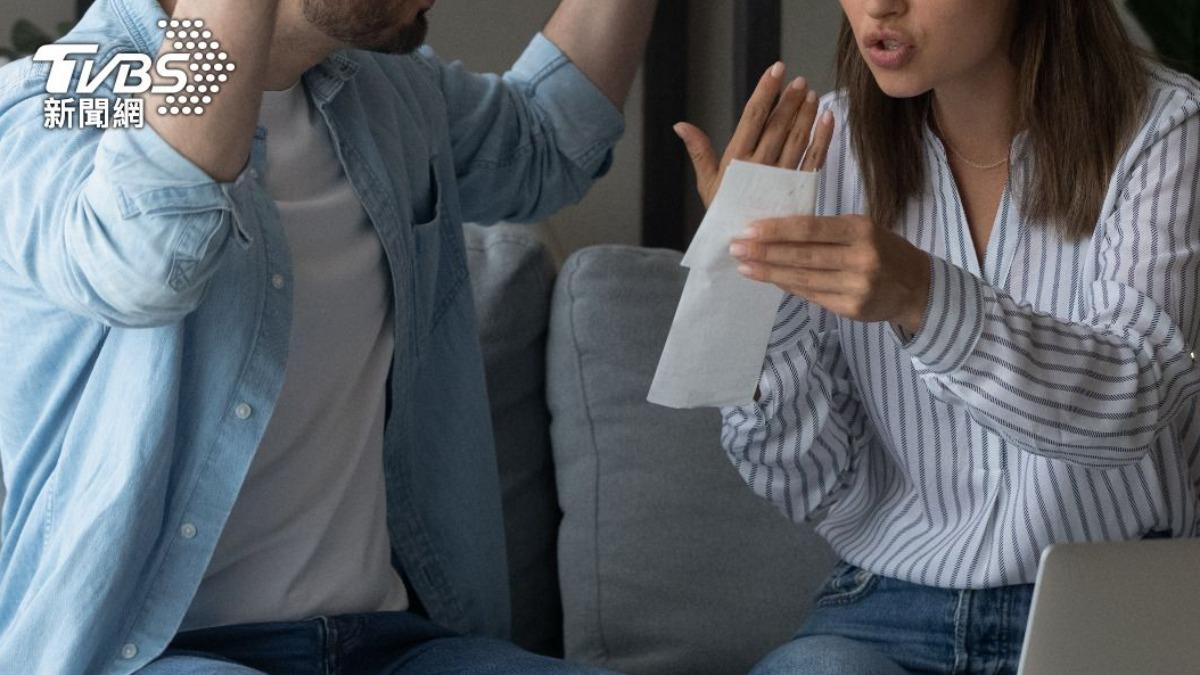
(668, 562)
(512, 276)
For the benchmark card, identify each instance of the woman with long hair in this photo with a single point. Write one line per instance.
(987, 343)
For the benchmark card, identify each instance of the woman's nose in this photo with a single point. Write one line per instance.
(882, 9)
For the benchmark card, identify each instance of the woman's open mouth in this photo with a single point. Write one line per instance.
(889, 49)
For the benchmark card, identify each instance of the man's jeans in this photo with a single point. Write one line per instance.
(864, 623)
(351, 644)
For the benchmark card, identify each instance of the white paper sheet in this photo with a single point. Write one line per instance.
(715, 350)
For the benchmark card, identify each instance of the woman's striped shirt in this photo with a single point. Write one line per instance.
(1051, 395)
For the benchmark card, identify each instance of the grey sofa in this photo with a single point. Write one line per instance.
(633, 543)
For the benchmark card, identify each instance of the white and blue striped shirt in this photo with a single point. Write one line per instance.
(1050, 396)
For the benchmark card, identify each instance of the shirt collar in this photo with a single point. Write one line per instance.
(327, 78)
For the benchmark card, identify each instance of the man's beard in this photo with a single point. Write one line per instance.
(367, 24)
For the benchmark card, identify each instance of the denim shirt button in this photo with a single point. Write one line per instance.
(277, 281)
(187, 531)
(243, 411)
(129, 651)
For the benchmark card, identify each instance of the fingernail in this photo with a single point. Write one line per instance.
(737, 250)
(745, 270)
(777, 69)
(799, 83)
(678, 129)
(812, 97)
(827, 118)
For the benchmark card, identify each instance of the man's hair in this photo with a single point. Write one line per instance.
(1081, 91)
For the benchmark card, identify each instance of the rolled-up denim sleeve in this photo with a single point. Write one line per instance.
(115, 225)
(530, 142)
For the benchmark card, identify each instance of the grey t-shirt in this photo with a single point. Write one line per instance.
(308, 535)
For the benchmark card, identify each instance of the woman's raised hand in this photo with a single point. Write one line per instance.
(774, 130)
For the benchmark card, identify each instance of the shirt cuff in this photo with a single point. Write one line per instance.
(953, 320)
(586, 124)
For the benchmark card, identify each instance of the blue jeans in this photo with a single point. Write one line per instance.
(863, 623)
(351, 644)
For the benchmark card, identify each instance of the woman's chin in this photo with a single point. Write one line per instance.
(899, 85)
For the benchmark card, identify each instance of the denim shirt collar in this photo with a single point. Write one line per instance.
(327, 78)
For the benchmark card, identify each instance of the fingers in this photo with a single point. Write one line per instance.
(802, 282)
(807, 256)
(780, 124)
(822, 137)
(775, 130)
(755, 116)
(704, 158)
(804, 229)
(839, 292)
(797, 142)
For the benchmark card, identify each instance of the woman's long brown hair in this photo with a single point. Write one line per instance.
(1080, 94)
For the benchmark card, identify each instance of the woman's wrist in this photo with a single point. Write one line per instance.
(911, 318)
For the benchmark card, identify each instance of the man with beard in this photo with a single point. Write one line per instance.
(242, 412)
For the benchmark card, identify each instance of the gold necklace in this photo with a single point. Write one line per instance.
(946, 141)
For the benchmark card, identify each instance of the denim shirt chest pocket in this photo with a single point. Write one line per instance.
(439, 260)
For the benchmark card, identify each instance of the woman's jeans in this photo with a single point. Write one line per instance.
(865, 623)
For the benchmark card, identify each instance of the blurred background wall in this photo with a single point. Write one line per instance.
(44, 13)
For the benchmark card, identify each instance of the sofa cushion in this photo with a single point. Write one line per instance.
(512, 275)
(668, 563)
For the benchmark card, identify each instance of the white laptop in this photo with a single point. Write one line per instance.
(1119, 608)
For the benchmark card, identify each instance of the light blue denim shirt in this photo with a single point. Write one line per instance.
(144, 318)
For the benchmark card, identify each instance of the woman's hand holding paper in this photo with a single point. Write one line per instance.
(847, 264)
